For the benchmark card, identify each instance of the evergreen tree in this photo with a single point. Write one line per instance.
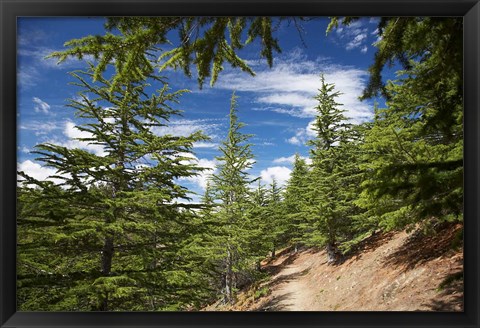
(416, 167)
(231, 186)
(328, 206)
(205, 43)
(276, 218)
(295, 201)
(258, 215)
(414, 161)
(111, 231)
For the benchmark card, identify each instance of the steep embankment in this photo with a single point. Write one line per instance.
(391, 271)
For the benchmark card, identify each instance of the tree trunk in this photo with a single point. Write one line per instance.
(273, 251)
(331, 252)
(229, 278)
(106, 260)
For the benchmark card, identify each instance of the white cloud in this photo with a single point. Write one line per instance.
(37, 171)
(356, 42)
(295, 141)
(73, 134)
(303, 135)
(202, 144)
(185, 128)
(40, 127)
(291, 159)
(27, 76)
(289, 87)
(24, 149)
(280, 173)
(355, 34)
(40, 55)
(27, 37)
(202, 178)
(40, 105)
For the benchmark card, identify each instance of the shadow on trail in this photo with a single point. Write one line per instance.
(367, 245)
(287, 278)
(420, 248)
(275, 269)
(454, 302)
(276, 303)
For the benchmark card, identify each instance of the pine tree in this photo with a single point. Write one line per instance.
(115, 223)
(231, 186)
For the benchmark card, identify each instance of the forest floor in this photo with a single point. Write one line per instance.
(394, 271)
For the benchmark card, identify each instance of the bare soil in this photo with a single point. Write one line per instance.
(393, 271)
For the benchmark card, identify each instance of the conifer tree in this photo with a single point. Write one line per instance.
(204, 43)
(276, 218)
(258, 215)
(231, 187)
(115, 223)
(415, 167)
(413, 151)
(295, 201)
(327, 205)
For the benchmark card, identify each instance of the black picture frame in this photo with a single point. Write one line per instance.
(10, 10)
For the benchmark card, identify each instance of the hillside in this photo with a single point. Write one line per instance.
(394, 271)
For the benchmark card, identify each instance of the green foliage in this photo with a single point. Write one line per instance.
(230, 186)
(263, 291)
(113, 234)
(108, 236)
(415, 160)
(333, 182)
(295, 201)
(203, 42)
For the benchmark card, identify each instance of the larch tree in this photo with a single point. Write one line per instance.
(115, 221)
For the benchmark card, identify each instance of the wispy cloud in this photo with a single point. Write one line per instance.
(27, 76)
(40, 127)
(290, 86)
(357, 41)
(39, 56)
(185, 128)
(40, 105)
(200, 180)
(355, 35)
(303, 135)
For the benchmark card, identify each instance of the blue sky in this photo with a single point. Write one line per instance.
(276, 105)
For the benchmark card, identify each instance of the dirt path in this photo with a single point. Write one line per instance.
(292, 292)
(394, 271)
